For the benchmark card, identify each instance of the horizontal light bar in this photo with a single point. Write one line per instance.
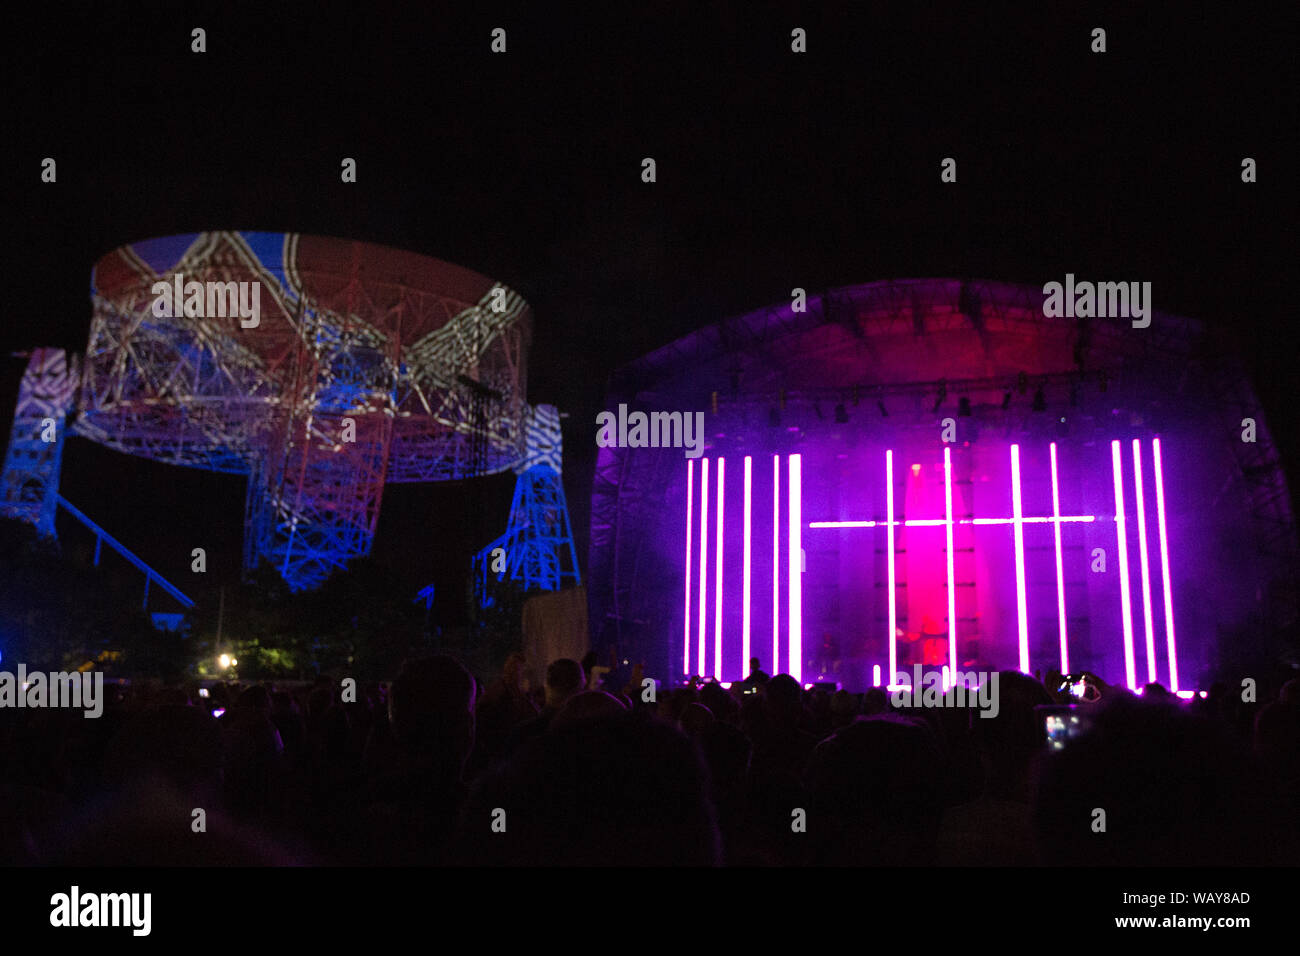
(1048, 520)
(940, 522)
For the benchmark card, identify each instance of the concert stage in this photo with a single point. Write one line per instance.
(936, 472)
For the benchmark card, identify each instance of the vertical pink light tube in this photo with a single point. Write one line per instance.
(745, 581)
(1018, 523)
(1164, 567)
(1147, 624)
(704, 557)
(776, 565)
(686, 614)
(952, 575)
(1060, 573)
(717, 587)
(1117, 467)
(796, 568)
(889, 561)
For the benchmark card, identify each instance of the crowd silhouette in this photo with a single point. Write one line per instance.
(436, 769)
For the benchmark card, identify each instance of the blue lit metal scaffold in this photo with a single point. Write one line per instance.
(29, 487)
(29, 484)
(536, 551)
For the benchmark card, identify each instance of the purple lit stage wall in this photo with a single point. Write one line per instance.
(850, 564)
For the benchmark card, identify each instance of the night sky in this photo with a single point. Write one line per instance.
(775, 170)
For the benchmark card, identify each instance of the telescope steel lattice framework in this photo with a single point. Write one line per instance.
(537, 549)
(29, 488)
(366, 365)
